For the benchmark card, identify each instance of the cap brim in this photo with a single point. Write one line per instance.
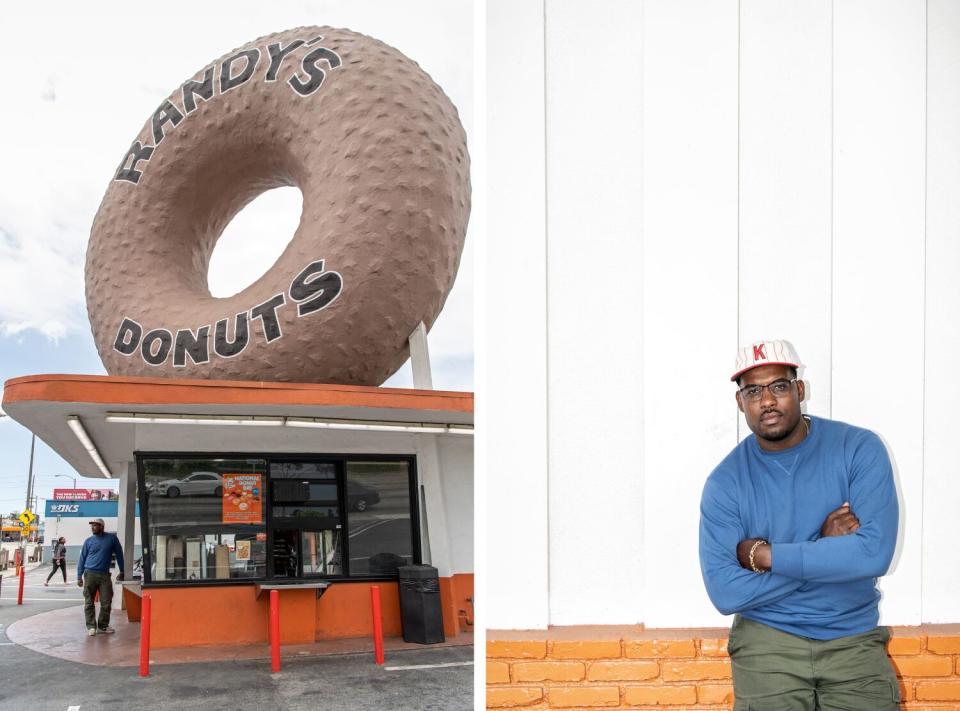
(736, 375)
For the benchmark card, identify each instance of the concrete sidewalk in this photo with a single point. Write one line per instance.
(33, 588)
(48, 662)
(61, 633)
(412, 680)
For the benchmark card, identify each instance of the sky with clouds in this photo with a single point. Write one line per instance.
(80, 80)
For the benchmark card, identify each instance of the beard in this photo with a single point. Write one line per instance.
(780, 430)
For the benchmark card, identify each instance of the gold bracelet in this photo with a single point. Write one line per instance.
(753, 549)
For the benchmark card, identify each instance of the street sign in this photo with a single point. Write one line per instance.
(27, 517)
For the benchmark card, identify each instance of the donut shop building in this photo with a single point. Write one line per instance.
(323, 490)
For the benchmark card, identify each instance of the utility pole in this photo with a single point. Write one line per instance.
(23, 545)
(33, 441)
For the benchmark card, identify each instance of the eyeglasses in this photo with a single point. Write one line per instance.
(778, 388)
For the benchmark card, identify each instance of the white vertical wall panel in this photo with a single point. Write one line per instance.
(835, 138)
(878, 304)
(785, 183)
(594, 297)
(431, 479)
(516, 319)
(689, 287)
(941, 484)
(456, 467)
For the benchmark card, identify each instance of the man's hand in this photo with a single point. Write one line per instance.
(119, 577)
(840, 522)
(761, 557)
(80, 582)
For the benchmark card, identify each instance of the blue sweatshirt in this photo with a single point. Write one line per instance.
(96, 553)
(822, 588)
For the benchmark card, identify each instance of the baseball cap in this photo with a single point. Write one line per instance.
(776, 352)
(97, 520)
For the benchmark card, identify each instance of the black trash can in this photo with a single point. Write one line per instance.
(420, 612)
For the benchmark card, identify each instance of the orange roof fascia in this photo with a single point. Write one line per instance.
(129, 390)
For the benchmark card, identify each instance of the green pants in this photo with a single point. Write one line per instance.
(91, 583)
(776, 671)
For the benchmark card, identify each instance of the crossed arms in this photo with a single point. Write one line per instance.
(856, 540)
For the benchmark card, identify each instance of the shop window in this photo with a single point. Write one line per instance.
(236, 518)
(305, 520)
(205, 518)
(378, 517)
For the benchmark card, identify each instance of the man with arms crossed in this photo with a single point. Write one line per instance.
(796, 524)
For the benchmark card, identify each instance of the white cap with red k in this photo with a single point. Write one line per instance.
(765, 353)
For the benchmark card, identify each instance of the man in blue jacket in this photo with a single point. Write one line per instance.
(796, 525)
(93, 574)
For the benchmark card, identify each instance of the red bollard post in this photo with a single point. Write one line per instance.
(16, 560)
(145, 635)
(377, 624)
(20, 592)
(274, 630)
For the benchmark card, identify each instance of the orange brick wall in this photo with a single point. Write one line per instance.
(630, 667)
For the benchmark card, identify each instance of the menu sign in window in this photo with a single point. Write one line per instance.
(243, 498)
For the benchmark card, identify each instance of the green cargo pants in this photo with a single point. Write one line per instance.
(91, 583)
(776, 671)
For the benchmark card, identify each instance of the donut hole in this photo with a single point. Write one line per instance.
(253, 240)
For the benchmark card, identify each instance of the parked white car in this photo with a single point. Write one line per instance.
(194, 484)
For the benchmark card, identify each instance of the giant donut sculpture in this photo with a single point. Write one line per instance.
(379, 154)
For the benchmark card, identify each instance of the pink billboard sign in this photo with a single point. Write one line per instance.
(84, 495)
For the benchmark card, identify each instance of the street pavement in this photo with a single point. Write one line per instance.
(409, 681)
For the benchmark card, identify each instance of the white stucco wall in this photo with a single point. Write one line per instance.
(456, 466)
(511, 364)
(678, 177)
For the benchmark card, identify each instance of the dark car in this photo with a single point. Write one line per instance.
(359, 497)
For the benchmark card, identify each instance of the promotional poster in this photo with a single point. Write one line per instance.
(84, 495)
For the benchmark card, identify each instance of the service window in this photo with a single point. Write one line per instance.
(313, 503)
(205, 519)
(305, 521)
(234, 518)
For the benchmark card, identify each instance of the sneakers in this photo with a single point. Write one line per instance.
(91, 632)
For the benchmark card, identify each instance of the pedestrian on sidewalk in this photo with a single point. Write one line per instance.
(93, 575)
(59, 560)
